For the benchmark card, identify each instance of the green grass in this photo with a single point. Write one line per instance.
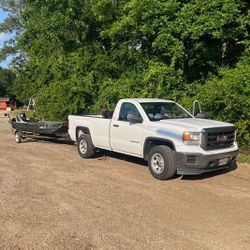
(244, 156)
(29, 114)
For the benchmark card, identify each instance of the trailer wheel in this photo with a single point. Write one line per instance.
(85, 146)
(161, 162)
(18, 136)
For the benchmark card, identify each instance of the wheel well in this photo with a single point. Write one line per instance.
(84, 130)
(151, 142)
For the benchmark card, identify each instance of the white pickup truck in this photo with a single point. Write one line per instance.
(161, 132)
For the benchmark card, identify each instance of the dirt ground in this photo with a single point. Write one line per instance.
(50, 198)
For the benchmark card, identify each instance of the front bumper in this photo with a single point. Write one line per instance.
(192, 164)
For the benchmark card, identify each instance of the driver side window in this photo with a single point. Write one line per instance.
(127, 111)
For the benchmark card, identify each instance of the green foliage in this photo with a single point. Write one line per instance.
(29, 114)
(227, 98)
(244, 156)
(76, 55)
(58, 100)
(6, 81)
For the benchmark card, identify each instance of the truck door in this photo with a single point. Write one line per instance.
(126, 131)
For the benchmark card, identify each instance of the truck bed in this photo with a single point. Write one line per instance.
(100, 128)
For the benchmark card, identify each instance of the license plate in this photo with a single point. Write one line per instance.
(223, 161)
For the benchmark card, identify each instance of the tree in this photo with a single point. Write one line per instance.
(93, 52)
(6, 80)
(226, 98)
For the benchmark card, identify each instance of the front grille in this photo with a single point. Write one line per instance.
(218, 138)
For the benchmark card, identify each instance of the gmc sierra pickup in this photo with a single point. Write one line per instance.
(161, 132)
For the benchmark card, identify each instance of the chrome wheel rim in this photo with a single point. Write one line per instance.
(83, 146)
(157, 163)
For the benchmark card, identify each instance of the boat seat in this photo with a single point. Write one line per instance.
(23, 117)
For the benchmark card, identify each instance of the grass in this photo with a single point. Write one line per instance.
(244, 156)
(29, 114)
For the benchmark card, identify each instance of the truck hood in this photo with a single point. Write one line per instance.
(191, 124)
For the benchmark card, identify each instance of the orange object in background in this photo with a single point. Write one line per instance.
(3, 106)
(5, 103)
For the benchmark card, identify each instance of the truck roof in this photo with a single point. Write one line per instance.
(141, 100)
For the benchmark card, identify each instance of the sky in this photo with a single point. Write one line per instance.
(4, 37)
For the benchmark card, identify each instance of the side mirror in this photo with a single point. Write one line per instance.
(201, 115)
(133, 119)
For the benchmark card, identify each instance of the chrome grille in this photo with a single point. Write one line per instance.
(218, 138)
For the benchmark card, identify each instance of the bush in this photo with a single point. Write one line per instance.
(60, 99)
(227, 98)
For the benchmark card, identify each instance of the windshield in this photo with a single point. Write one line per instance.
(164, 110)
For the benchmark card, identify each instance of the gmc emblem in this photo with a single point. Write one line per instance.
(221, 138)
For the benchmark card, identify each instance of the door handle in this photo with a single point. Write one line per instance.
(115, 125)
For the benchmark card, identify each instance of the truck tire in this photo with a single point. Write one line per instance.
(18, 136)
(161, 162)
(85, 146)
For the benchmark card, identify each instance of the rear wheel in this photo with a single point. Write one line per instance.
(161, 162)
(85, 146)
(18, 136)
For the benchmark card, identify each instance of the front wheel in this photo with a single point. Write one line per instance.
(161, 162)
(85, 146)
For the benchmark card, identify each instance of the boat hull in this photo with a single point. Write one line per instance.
(41, 128)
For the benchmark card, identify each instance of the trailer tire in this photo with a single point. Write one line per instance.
(85, 146)
(19, 136)
(161, 162)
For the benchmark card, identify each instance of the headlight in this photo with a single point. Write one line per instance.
(191, 137)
